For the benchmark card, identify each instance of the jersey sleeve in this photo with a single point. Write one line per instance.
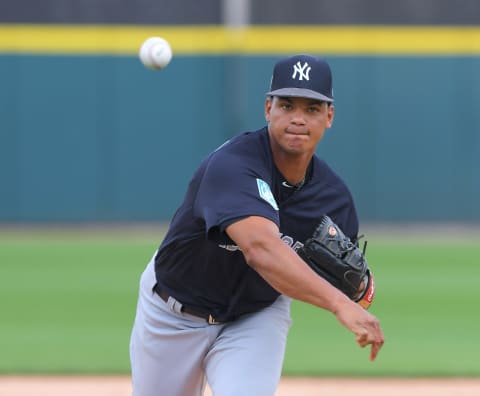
(231, 189)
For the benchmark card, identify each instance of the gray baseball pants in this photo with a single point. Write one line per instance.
(174, 354)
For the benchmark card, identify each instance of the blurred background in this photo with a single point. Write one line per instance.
(91, 142)
(87, 134)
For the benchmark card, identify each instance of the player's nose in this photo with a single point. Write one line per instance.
(297, 118)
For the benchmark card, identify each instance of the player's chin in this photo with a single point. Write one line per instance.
(294, 149)
(297, 143)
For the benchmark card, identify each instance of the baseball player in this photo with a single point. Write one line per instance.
(214, 301)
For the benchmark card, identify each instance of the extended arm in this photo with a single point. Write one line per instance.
(280, 266)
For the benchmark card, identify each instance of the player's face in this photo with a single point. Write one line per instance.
(296, 125)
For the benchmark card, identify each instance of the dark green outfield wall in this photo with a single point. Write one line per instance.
(94, 138)
(102, 138)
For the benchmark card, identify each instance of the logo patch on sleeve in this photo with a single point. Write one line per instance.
(266, 193)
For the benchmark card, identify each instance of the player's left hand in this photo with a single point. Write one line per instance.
(331, 254)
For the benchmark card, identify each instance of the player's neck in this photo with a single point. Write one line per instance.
(293, 170)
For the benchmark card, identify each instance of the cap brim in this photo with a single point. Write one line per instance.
(299, 93)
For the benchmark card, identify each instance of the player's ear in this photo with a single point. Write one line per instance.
(330, 115)
(268, 107)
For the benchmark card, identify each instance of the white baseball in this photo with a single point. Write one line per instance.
(155, 53)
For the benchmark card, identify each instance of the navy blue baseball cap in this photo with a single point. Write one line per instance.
(302, 76)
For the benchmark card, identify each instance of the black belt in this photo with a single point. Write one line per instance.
(164, 296)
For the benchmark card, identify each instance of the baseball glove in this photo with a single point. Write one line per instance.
(331, 254)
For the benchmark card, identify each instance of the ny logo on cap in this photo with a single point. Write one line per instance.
(303, 71)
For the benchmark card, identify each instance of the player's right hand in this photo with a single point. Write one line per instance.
(364, 325)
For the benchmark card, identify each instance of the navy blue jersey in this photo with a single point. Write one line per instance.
(198, 263)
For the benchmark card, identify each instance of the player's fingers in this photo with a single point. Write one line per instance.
(375, 349)
(373, 336)
(362, 339)
(377, 342)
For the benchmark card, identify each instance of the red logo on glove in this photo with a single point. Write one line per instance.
(332, 231)
(368, 297)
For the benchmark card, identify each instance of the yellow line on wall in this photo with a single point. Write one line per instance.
(255, 40)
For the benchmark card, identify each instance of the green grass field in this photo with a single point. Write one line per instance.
(68, 300)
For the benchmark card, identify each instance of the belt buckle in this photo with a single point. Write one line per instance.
(211, 320)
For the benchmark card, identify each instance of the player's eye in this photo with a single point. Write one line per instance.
(286, 106)
(313, 109)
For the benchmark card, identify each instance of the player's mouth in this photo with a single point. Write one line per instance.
(297, 131)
